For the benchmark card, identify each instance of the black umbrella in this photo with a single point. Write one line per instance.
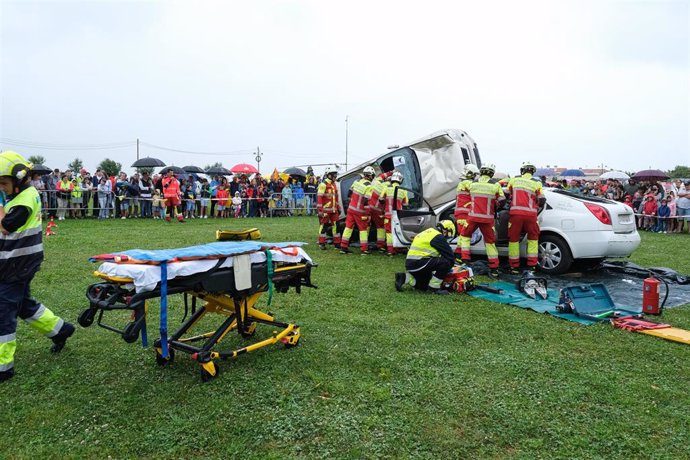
(650, 175)
(147, 162)
(176, 169)
(219, 170)
(193, 169)
(40, 169)
(295, 172)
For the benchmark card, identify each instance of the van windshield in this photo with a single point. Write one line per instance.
(405, 161)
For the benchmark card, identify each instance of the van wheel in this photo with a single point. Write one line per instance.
(554, 255)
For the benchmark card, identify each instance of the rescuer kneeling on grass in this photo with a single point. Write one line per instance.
(429, 259)
(21, 254)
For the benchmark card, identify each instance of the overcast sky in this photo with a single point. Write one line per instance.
(576, 84)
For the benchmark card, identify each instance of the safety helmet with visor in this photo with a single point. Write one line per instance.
(397, 177)
(16, 167)
(369, 172)
(448, 226)
(528, 167)
(488, 170)
(470, 171)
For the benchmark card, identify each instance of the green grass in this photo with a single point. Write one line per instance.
(377, 373)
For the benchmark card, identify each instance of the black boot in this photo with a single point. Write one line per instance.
(6, 375)
(61, 337)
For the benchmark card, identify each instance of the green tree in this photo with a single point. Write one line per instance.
(145, 170)
(217, 164)
(111, 167)
(679, 171)
(37, 159)
(76, 164)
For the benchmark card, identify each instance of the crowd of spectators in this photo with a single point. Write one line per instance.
(659, 207)
(79, 195)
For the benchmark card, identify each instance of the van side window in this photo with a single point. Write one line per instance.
(405, 161)
(465, 155)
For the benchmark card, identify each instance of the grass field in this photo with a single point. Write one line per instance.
(377, 373)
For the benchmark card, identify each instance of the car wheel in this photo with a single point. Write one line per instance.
(554, 255)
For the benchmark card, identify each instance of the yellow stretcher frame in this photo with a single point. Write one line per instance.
(238, 308)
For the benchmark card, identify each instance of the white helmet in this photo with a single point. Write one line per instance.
(330, 170)
(397, 177)
(369, 172)
(470, 171)
(488, 170)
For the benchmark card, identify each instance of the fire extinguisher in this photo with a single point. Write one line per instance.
(650, 295)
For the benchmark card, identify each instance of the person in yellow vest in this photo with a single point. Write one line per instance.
(429, 259)
(462, 206)
(358, 213)
(21, 254)
(526, 198)
(485, 197)
(377, 208)
(387, 197)
(76, 199)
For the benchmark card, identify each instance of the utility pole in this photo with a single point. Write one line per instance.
(346, 126)
(258, 158)
(137, 148)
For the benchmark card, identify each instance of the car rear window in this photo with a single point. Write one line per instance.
(592, 198)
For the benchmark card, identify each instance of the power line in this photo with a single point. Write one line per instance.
(46, 146)
(192, 152)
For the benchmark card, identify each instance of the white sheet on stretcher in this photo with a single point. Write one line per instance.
(147, 277)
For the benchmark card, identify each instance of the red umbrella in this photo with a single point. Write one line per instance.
(244, 168)
(650, 175)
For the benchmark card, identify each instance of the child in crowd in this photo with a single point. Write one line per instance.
(649, 209)
(103, 192)
(237, 204)
(222, 194)
(189, 197)
(663, 213)
(76, 200)
(672, 209)
(158, 204)
(204, 196)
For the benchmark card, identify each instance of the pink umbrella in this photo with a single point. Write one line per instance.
(244, 168)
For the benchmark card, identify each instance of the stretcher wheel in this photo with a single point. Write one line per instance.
(165, 361)
(206, 375)
(249, 331)
(292, 339)
(131, 332)
(86, 317)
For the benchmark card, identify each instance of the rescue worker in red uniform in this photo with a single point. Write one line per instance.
(462, 205)
(526, 197)
(402, 200)
(328, 208)
(21, 254)
(358, 213)
(429, 259)
(485, 197)
(377, 208)
(172, 193)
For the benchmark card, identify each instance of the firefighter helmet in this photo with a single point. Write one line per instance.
(448, 226)
(369, 172)
(330, 170)
(487, 170)
(397, 177)
(528, 167)
(470, 171)
(14, 165)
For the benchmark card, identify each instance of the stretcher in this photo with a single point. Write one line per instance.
(226, 279)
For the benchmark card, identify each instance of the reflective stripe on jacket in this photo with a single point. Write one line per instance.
(21, 252)
(358, 202)
(421, 245)
(524, 195)
(378, 185)
(327, 197)
(388, 194)
(463, 199)
(484, 196)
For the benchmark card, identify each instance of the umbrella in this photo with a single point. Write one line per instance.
(572, 173)
(620, 175)
(548, 172)
(650, 175)
(295, 172)
(219, 170)
(40, 169)
(176, 169)
(193, 169)
(243, 168)
(147, 162)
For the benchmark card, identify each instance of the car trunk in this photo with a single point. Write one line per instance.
(621, 215)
